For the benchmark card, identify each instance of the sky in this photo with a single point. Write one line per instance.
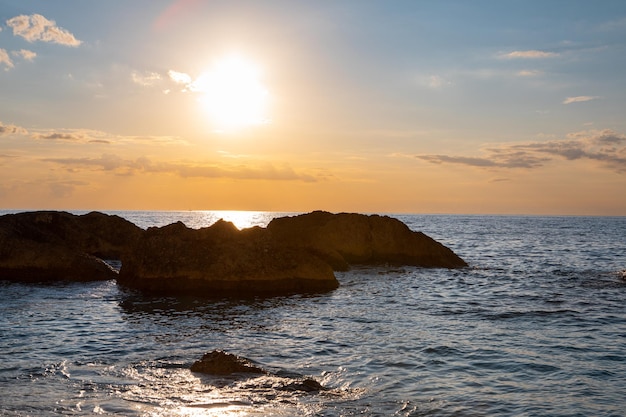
(430, 106)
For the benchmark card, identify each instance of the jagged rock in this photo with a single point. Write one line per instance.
(221, 259)
(292, 255)
(52, 245)
(308, 385)
(222, 363)
(348, 238)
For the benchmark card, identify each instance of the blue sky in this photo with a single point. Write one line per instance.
(395, 106)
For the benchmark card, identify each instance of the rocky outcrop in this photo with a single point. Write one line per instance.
(292, 255)
(347, 238)
(51, 245)
(221, 259)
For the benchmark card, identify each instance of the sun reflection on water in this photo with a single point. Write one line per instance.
(212, 411)
(241, 219)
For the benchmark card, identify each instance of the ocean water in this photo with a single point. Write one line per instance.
(536, 326)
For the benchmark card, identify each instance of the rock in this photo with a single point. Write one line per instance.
(51, 245)
(292, 255)
(308, 385)
(347, 238)
(221, 363)
(219, 260)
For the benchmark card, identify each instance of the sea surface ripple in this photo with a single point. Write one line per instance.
(534, 327)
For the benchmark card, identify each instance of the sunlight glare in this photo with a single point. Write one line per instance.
(233, 95)
(244, 219)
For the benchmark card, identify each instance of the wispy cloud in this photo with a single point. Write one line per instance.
(99, 137)
(37, 28)
(579, 99)
(12, 130)
(529, 54)
(180, 78)
(607, 147)
(145, 79)
(437, 81)
(617, 24)
(25, 54)
(5, 60)
(186, 169)
(529, 73)
(60, 136)
(497, 159)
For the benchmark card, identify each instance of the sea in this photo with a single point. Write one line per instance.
(535, 326)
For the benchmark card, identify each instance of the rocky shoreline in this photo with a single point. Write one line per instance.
(295, 254)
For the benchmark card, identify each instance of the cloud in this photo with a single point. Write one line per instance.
(495, 160)
(579, 99)
(606, 146)
(60, 136)
(90, 136)
(11, 130)
(198, 85)
(6, 59)
(37, 28)
(25, 54)
(436, 81)
(529, 54)
(180, 77)
(186, 169)
(529, 73)
(5, 157)
(614, 24)
(146, 79)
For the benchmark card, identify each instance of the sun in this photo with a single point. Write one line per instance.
(232, 94)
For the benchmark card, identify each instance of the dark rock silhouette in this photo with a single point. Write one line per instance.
(292, 255)
(347, 238)
(221, 363)
(221, 259)
(52, 245)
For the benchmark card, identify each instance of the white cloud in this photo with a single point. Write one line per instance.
(6, 59)
(530, 54)
(579, 99)
(37, 28)
(25, 54)
(179, 77)
(146, 79)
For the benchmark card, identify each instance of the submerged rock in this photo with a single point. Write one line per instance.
(306, 385)
(221, 363)
(51, 245)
